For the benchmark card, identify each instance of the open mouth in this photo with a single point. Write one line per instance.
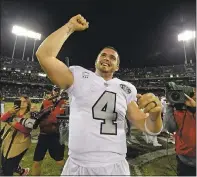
(105, 64)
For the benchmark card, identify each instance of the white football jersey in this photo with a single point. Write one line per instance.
(97, 116)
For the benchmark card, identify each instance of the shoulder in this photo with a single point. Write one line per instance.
(78, 68)
(79, 74)
(80, 71)
(75, 67)
(129, 90)
(131, 86)
(127, 87)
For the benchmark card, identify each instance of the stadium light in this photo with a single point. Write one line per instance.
(20, 31)
(187, 36)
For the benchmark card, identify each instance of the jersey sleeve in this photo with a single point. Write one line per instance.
(77, 74)
(132, 96)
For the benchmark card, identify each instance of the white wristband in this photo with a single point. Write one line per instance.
(151, 133)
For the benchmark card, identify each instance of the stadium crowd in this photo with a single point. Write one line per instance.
(15, 72)
(15, 90)
(23, 77)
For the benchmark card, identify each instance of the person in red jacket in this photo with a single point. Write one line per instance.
(183, 123)
(49, 134)
(16, 138)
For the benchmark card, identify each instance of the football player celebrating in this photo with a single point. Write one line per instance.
(99, 104)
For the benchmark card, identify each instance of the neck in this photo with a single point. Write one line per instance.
(106, 76)
(22, 111)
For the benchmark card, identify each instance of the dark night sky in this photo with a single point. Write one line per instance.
(144, 32)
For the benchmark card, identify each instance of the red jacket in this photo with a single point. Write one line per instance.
(58, 110)
(186, 134)
(49, 124)
(17, 125)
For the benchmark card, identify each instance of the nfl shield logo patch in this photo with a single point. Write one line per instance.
(85, 74)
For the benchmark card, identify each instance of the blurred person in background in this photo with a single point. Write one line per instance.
(16, 138)
(163, 103)
(165, 132)
(2, 105)
(151, 139)
(182, 122)
(49, 139)
(47, 94)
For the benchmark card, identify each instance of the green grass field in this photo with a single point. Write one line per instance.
(158, 167)
(49, 167)
(165, 166)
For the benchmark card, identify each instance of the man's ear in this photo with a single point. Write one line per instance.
(95, 63)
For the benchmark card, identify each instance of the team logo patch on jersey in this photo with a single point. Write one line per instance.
(85, 74)
(125, 88)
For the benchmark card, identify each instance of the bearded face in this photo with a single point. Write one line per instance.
(107, 61)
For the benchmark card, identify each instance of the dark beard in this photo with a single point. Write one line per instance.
(104, 71)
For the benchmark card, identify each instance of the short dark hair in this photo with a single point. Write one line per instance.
(110, 47)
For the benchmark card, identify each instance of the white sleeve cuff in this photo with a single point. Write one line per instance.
(151, 133)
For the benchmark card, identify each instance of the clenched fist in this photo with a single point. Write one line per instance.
(78, 23)
(149, 103)
(190, 101)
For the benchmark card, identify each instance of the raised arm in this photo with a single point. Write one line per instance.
(47, 53)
